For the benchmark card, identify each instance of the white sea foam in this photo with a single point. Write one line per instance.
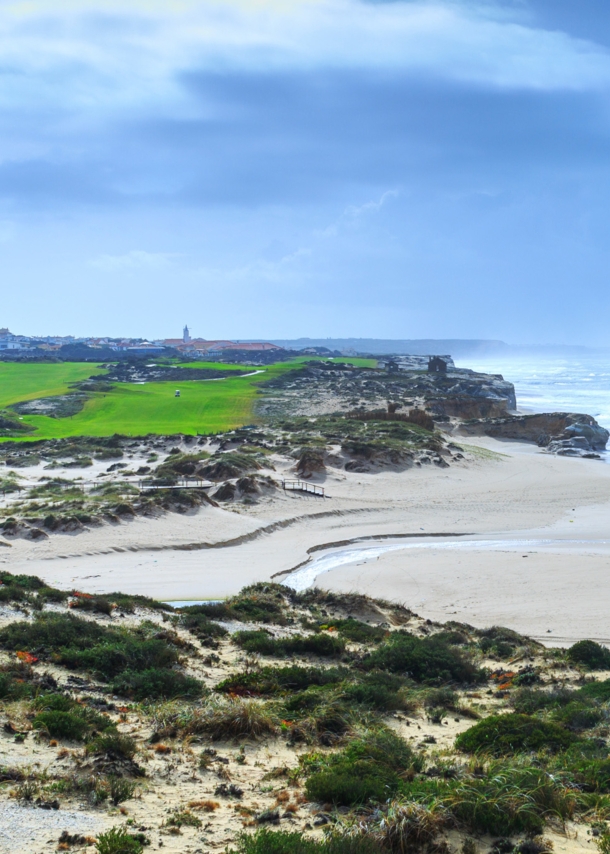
(578, 384)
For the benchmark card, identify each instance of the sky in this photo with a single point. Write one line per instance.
(287, 168)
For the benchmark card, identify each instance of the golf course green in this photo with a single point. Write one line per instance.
(204, 406)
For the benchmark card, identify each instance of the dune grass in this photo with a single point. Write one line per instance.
(204, 406)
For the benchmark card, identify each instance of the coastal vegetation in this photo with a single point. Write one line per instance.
(297, 723)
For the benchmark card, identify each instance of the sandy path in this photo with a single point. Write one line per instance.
(192, 557)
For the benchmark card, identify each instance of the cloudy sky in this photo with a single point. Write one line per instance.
(285, 168)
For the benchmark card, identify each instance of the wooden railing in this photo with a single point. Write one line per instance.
(303, 486)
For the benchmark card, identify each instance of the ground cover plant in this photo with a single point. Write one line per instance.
(367, 769)
(503, 735)
(400, 741)
(137, 662)
(261, 642)
(426, 660)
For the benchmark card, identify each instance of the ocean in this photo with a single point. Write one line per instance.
(548, 384)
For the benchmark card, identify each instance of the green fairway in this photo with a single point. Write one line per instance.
(204, 406)
(27, 380)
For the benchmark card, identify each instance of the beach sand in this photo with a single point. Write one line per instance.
(506, 489)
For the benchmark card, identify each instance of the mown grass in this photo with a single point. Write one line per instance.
(136, 410)
(31, 380)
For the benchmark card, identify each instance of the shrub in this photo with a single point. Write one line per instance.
(52, 632)
(64, 725)
(262, 643)
(202, 627)
(528, 700)
(589, 654)
(509, 799)
(56, 703)
(596, 691)
(368, 769)
(425, 660)
(95, 604)
(502, 735)
(118, 841)
(276, 680)
(258, 609)
(126, 652)
(349, 786)
(157, 683)
(283, 842)
(578, 716)
(377, 690)
(584, 766)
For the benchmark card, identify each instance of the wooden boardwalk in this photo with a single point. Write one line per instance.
(303, 486)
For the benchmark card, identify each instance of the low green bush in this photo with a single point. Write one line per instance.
(268, 681)
(95, 604)
(157, 683)
(51, 632)
(286, 842)
(202, 627)
(585, 766)
(509, 799)
(366, 770)
(377, 690)
(63, 725)
(425, 660)
(503, 735)
(531, 700)
(139, 661)
(578, 716)
(263, 643)
(589, 654)
(61, 717)
(596, 691)
(122, 653)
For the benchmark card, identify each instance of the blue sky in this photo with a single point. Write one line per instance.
(406, 169)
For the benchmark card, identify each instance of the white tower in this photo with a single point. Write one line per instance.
(186, 336)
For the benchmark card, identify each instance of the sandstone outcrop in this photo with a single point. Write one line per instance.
(563, 433)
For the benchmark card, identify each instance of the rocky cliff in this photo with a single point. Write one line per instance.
(563, 433)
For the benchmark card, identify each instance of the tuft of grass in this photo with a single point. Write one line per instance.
(118, 841)
(504, 735)
(232, 719)
(183, 818)
(113, 744)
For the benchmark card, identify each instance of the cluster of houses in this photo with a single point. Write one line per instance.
(23, 344)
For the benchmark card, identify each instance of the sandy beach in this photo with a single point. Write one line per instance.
(506, 490)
